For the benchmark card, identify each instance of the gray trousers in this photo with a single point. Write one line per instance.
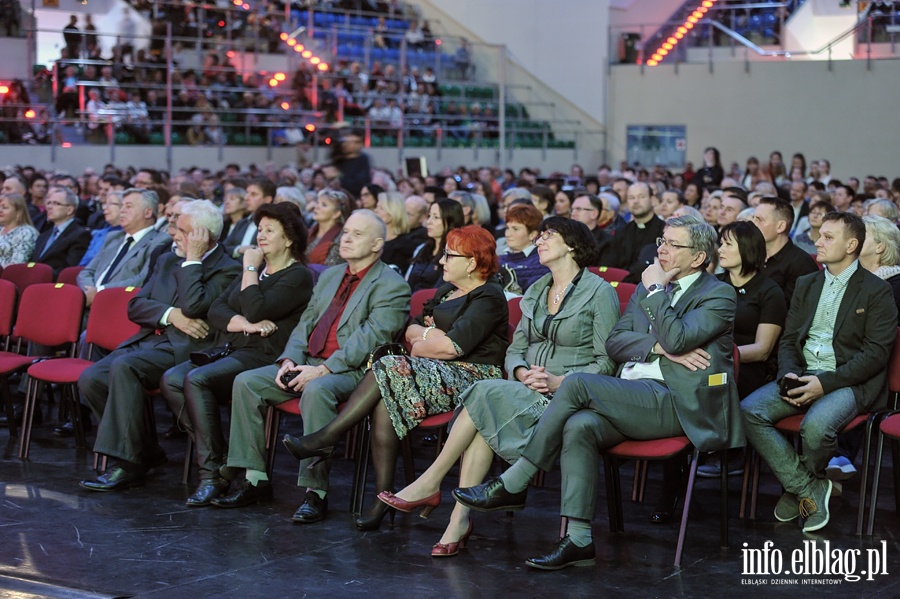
(589, 413)
(254, 391)
(113, 389)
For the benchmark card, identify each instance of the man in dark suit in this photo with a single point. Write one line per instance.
(65, 242)
(323, 376)
(125, 256)
(243, 236)
(835, 348)
(171, 310)
(641, 232)
(674, 347)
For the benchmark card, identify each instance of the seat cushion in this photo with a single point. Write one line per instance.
(649, 450)
(890, 426)
(63, 370)
(10, 362)
(791, 424)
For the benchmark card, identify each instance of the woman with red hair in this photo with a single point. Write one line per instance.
(461, 338)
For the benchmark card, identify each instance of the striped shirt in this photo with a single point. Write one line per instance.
(818, 350)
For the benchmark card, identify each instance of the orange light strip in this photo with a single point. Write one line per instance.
(668, 46)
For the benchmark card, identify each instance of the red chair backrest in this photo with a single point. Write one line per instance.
(609, 273)
(736, 355)
(31, 273)
(69, 275)
(417, 302)
(515, 311)
(108, 324)
(9, 296)
(624, 291)
(50, 314)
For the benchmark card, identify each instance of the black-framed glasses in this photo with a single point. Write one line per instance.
(547, 234)
(448, 255)
(662, 241)
(588, 209)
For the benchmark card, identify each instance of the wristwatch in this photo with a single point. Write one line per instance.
(655, 287)
(251, 268)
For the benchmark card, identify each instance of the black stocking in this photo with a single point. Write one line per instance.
(385, 446)
(362, 401)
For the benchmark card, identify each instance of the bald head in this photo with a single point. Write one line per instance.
(416, 211)
(12, 185)
(362, 239)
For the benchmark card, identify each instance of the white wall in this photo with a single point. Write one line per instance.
(562, 42)
(847, 115)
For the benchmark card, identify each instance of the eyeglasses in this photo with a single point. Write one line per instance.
(52, 203)
(547, 234)
(580, 209)
(448, 255)
(662, 241)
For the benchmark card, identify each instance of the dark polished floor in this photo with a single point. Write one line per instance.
(57, 540)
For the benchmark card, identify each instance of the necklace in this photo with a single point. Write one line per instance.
(559, 295)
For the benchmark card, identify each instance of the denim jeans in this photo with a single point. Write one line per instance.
(824, 418)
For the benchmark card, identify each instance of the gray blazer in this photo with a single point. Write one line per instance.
(374, 315)
(709, 411)
(576, 339)
(131, 271)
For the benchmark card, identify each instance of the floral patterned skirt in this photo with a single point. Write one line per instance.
(414, 388)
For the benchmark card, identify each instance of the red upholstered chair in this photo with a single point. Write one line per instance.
(417, 301)
(69, 275)
(31, 273)
(9, 299)
(108, 326)
(661, 449)
(65, 303)
(791, 426)
(609, 273)
(890, 428)
(624, 291)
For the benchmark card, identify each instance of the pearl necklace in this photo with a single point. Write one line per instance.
(558, 296)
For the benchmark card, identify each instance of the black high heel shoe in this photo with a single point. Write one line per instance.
(297, 448)
(372, 520)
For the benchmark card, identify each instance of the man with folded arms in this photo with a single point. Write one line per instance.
(833, 355)
(674, 345)
(355, 307)
(171, 310)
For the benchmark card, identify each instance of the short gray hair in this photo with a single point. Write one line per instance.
(204, 213)
(375, 220)
(612, 200)
(149, 197)
(517, 193)
(71, 198)
(703, 235)
(884, 231)
(291, 194)
(888, 208)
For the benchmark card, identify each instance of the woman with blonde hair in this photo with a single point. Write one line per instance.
(18, 235)
(399, 244)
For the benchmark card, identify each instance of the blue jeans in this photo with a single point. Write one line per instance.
(824, 418)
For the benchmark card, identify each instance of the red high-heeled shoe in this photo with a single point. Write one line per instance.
(451, 549)
(401, 505)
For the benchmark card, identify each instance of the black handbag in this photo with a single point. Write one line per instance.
(208, 356)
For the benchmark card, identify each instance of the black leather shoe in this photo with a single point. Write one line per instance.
(245, 495)
(665, 510)
(490, 496)
(207, 490)
(372, 519)
(313, 509)
(114, 479)
(566, 554)
(68, 428)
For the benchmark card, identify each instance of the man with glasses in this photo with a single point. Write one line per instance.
(63, 243)
(587, 209)
(676, 377)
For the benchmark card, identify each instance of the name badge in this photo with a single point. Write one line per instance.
(717, 380)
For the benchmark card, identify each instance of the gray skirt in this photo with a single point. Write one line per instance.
(505, 413)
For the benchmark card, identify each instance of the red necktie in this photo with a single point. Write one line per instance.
(319, 335)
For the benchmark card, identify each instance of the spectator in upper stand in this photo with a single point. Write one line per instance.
(711, 174)
(259, 192)
(72, 37)
(66, 241)
(462, 59)
(587, 209)
(352, 162)
(842, 197)
(521, 265)
(17, 235)
(785, 262)
(643, 230)
(734, 201)
(414, 36)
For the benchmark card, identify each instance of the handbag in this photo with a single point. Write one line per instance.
(208, 356)
(388, 349)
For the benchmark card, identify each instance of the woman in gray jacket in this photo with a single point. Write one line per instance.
(566, 317)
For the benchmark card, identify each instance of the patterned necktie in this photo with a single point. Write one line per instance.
(319, 335)
(112, 267)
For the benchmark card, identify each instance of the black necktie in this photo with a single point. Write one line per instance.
(112, 267)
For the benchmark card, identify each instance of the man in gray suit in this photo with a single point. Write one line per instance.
(354, 308)
(832, 359)
(124, 258)
(171, 310)
(674, 345)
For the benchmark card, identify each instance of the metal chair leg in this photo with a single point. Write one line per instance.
(687, 506)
